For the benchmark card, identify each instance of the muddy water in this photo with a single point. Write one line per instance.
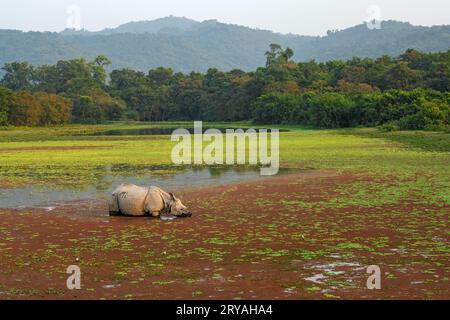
(50, 197)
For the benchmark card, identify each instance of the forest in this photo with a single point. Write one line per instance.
(186, 45)
(411, 91)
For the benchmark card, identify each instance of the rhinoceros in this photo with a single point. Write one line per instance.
(135, 201)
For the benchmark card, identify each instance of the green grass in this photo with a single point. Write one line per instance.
(65, 158)
(431, 141)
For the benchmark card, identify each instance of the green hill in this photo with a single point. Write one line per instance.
(187, 45)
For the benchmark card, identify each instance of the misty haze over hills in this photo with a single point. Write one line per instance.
(187, 45)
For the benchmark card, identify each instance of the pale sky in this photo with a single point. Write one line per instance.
(306, 17)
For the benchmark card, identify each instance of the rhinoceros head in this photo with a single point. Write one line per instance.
(178, 208)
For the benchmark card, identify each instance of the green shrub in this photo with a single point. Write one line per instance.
(389, 127)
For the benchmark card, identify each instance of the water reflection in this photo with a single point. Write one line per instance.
(154, 131)
(168, 178)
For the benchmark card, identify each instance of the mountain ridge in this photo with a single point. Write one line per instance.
(187, 45)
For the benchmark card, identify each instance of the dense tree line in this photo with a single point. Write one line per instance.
(25, 108)
(408, 92)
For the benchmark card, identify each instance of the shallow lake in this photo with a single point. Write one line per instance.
(38, 196)
(157, 131)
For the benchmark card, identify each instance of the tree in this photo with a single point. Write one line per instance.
(73, 76)
(46, 78)
(275, 107)
(132, 87)
(96, 106)
(416, 59)
(54, 109)
(331, 110)
(272, 54)
(25, 110)
(6, 96)
(439, 76)
(276, 55)
(432, 114)
(126, 79)
(86, 111)
(400, 76)
(360, 91)
(18, 76)
(286, 55)
(99, 65)
(351, 87)
(160, 76)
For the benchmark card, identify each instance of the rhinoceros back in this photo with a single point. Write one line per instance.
(131, 199)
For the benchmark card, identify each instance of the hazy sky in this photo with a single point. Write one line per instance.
(308, 17)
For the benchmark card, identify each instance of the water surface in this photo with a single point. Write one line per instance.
(159, 131)
(48, 197)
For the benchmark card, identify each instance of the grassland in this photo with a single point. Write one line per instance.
(365, 197)
(67, 156)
